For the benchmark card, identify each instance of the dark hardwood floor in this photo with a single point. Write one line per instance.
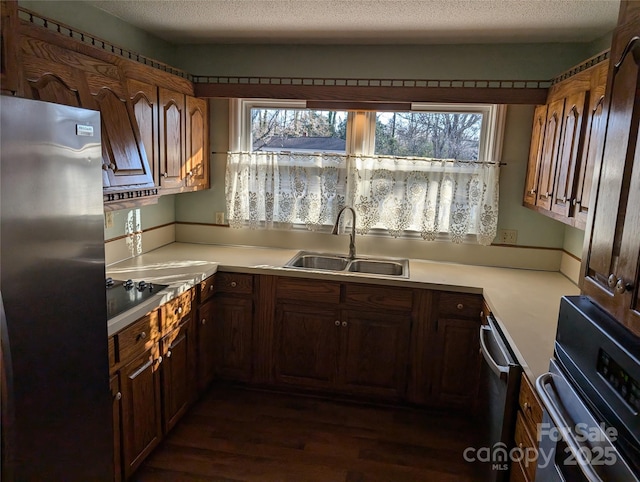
(234, 435)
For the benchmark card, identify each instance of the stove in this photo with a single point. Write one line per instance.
(124, 295)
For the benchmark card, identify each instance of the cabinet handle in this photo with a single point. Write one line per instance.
(169, 354)
(337, 322)
(117, 396)
(142, 335)
(234, 284)
(621, 286)
(533, 191)
(612, 280)
(203, 321)
(344, 323)
(460, 306)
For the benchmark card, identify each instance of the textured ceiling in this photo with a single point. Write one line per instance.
(368, 21)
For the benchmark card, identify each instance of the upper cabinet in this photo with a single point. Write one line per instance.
(154, 132)
(563, 143)
(611, 259)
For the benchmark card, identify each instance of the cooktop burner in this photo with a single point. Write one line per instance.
(124, 295)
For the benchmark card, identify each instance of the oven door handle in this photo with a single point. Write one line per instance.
(501, 371)
(561, 423)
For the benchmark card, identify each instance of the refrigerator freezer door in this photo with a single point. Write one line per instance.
(52, 279)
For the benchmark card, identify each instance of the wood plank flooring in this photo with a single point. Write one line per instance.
(238, 435)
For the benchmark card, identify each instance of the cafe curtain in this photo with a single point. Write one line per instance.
(399, 195)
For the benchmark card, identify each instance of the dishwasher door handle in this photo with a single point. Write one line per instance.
(501, 371)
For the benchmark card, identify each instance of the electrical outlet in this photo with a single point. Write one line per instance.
(507, 236)
(219, 218)
(108, 219)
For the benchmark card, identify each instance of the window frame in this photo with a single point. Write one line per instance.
(361, 127)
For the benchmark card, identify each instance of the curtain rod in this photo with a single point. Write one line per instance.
(319, 154)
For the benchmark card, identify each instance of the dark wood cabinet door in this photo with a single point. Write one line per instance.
(535, 155)
(206, 345)
(570, 149)
(172, 138)
(593, 134)
(550, 150)
(121, 145)
(141, 409)
(611, 261)
(178, 373)
(374, 353)
(457, 368)
(197, 135)
(116, 397)
(144, 101)
(306, 345)
(234, 325)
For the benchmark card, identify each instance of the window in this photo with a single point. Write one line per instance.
(424, 172)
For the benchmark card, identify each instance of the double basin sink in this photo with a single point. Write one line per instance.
(343, 264)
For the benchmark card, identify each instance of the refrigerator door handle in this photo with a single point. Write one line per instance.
(6, 397)
(500, 370)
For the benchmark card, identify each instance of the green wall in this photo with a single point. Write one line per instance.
(101, 24)
(479, 61)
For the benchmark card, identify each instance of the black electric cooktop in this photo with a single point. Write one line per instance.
(124, 295)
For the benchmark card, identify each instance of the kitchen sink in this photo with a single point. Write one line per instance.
(373, 266)
(319, 261)
(362, 265)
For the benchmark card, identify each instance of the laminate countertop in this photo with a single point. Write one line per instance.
(524, 302)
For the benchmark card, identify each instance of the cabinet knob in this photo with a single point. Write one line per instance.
(574, 202)
(481, 314)
(142, 335)
(159, 360)
(460, 306)
(344, 323)
(564, 199)
(612, 280)
(548, 194)
(178, 310)
(527, 406)
(117, 396)
(520, 445)
(203, 321)
(169, 354)
(164, 174)
(234, 284)
(621, 286)
(337, 322)
(190, 173)
(211, 288)
(112, 166)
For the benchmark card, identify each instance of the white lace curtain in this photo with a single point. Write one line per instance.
(427, 196)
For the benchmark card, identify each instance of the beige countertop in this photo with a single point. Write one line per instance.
(524, 302)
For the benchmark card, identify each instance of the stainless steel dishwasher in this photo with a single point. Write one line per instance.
(499, 386)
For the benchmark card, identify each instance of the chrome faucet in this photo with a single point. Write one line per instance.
(352, 239)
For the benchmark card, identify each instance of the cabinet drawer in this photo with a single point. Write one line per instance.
(459, 305)
(305, 290)
(234, 283)
(524, 440)
(207, 288)
(379, 297)
(138, 337)
(530, 405)
(175, 310)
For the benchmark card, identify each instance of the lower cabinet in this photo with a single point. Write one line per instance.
(526, 434)
(233, 321)
(178, 372)
(116, 397)
(456, 374)
(206, 334)
(141, 409)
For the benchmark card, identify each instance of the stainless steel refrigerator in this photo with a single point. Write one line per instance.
(56, 404)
